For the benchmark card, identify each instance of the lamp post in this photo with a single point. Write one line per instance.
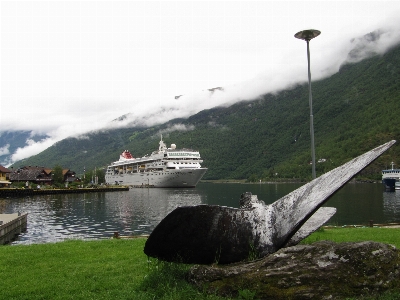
(308, 35)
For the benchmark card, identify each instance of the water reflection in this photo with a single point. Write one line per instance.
(140, 210)
(391, 206)
(98, 215)
(228, 194)
(358, 204)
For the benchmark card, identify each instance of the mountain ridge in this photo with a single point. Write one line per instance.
(354, 110)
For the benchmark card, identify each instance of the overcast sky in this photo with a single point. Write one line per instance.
(68, 67)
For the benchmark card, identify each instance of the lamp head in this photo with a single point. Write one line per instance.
(307, 35)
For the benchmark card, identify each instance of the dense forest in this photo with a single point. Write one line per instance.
(267, 138)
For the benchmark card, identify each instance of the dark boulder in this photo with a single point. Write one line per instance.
(323, 270)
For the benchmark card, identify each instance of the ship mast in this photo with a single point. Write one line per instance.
(162, 146)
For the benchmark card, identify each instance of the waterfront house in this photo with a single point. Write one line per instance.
(70, 176)
(40, 175)
(4, 176)
(35, 175)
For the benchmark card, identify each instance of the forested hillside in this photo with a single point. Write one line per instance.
(355, 110)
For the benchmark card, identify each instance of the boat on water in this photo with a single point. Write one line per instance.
(167, 167)
(397, 185)
(391, 178)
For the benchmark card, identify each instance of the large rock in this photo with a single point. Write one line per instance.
(205, 234)
(323, 270)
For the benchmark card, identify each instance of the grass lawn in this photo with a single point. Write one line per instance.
(118, 269)
(382, 235)
(104, 269)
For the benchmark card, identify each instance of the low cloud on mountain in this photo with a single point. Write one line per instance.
(64, 81)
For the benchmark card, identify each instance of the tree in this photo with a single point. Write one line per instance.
(58, 177)
(101, 176)
(253, 178)
(94, 176)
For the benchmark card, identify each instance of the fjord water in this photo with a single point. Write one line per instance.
(55, 218)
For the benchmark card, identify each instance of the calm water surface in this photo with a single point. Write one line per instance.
(55, 218)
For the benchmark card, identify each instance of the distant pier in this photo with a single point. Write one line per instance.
(142, 186)
(6, 192)
(11, 225)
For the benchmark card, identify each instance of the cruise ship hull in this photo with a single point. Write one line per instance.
(166, 178)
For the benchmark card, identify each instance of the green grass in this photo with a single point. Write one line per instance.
(118, 269)
(339, 235)
(106, 269)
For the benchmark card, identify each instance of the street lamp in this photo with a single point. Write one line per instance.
(308, 35)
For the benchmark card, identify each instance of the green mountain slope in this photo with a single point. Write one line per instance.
(355, 110)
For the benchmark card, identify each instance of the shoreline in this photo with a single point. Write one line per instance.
(244, 181)
(17, 192)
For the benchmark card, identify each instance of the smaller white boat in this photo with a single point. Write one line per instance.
(397, 185)
(390, 177)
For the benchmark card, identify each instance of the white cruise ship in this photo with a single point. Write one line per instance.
(167, 167)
